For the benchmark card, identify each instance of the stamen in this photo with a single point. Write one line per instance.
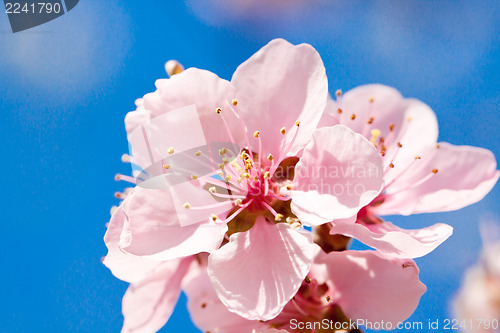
(171, 150)
(391, 127)
(129, 179)
(212, 189)
(166, 166)
(232, 216)
(223, 151)
(234, 102)
(194, 177)
(267, 175)
(413, 185)
(353, 116)
(218, 110)
(372, 100)
(256, 134)
(278, 217)
(198, 153)
(339, 111)
(173, 67)
(434, 170)
(283, 130)
(375, 134)
(338, 93)
(214, 217)
(297, 123)
(270, 157)
(126, 158)
(370, 121)
(186, 205)
(400, 145)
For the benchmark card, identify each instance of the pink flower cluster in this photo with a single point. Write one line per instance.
(249, 191)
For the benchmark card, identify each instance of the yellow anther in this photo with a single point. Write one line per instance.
(353, 116)
(166, 166)
(297, 123)
(391, 127)
(370, 121)
(126, 158)
(227, 178)
(278, 217)
(225, 160)
(212, 189)
(391, 165)
(417, 157)
(283, 130)
(220, 173)
(245, 175)
(239, 180)
(186, 205)
(194, 177)
(371, 100)
(237, 202)
(117, 177)
(270, 157)
(234, 102)
(256, 134)
(218, 110)
(338, 92)
(173, 67)
(437, 146)
(400, 145)
(375, 134)
(223, 151)
(214, 217)
(434, 170)
(288, 187)
(328, 298)
(198, 153)
(221, 166)
(171, 150)
(339, 111)
(267, 175)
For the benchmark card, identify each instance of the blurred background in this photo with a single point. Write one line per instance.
(66, 86)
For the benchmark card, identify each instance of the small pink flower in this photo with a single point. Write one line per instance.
(420, 174)
(245, 200)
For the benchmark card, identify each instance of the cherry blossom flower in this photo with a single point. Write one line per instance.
(214, 166)
(477, 304)
(420, 174)
(355, 285)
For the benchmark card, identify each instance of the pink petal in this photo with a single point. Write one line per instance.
(330, 116)
(205, 308)
(124, 266)
(148, 304)
(152, 228)
(278, 85)
(370, 288)
(464, 176)
(419, 132)
(382, 103)
(396, 242)
(339, 173)
(260, 270)
(207, 92)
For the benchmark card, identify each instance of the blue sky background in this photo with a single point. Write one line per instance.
(66, 86)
